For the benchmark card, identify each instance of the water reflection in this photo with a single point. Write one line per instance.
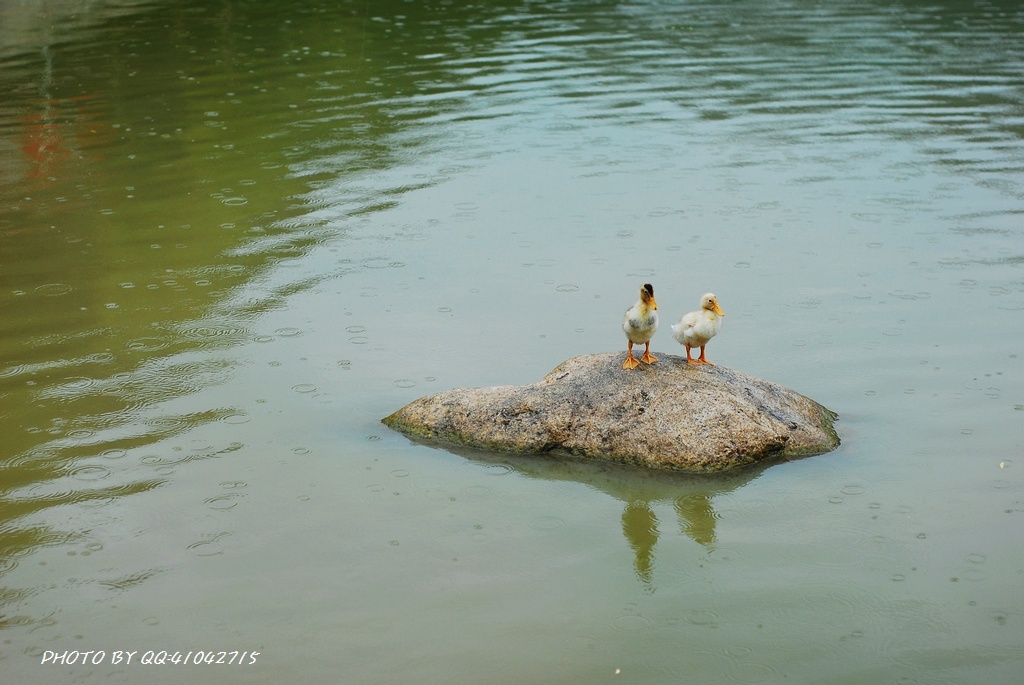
(172, 170)
(640, 491)
(146, 205)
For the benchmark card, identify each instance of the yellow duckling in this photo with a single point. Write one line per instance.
(697, 328)
(639, 324)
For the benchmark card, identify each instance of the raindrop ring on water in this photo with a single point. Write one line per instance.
(54, 289)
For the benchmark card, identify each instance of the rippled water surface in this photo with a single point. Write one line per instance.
(234, 235)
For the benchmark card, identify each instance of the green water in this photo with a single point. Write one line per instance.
(235, 235)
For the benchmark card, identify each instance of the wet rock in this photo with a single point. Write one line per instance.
(668, 415)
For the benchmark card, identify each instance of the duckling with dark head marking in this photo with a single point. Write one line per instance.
(639, 324)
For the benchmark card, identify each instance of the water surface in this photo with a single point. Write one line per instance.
(233, 236)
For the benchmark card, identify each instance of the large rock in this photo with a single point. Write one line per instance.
(668, 415)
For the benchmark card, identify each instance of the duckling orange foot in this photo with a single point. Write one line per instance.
(699, 360)
(702, 360)
(648, 358)
(631, 361)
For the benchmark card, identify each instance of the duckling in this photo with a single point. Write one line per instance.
(697, 328)
(639, 324)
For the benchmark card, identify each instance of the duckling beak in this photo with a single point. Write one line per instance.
(651, 303)
(718, 310)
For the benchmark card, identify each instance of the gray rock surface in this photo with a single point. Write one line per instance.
(667, 415)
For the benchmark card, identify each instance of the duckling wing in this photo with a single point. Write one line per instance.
(704, 329)
(630, 321)
(685, 327)
(639, 327)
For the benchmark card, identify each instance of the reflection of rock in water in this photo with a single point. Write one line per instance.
(638, 489)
